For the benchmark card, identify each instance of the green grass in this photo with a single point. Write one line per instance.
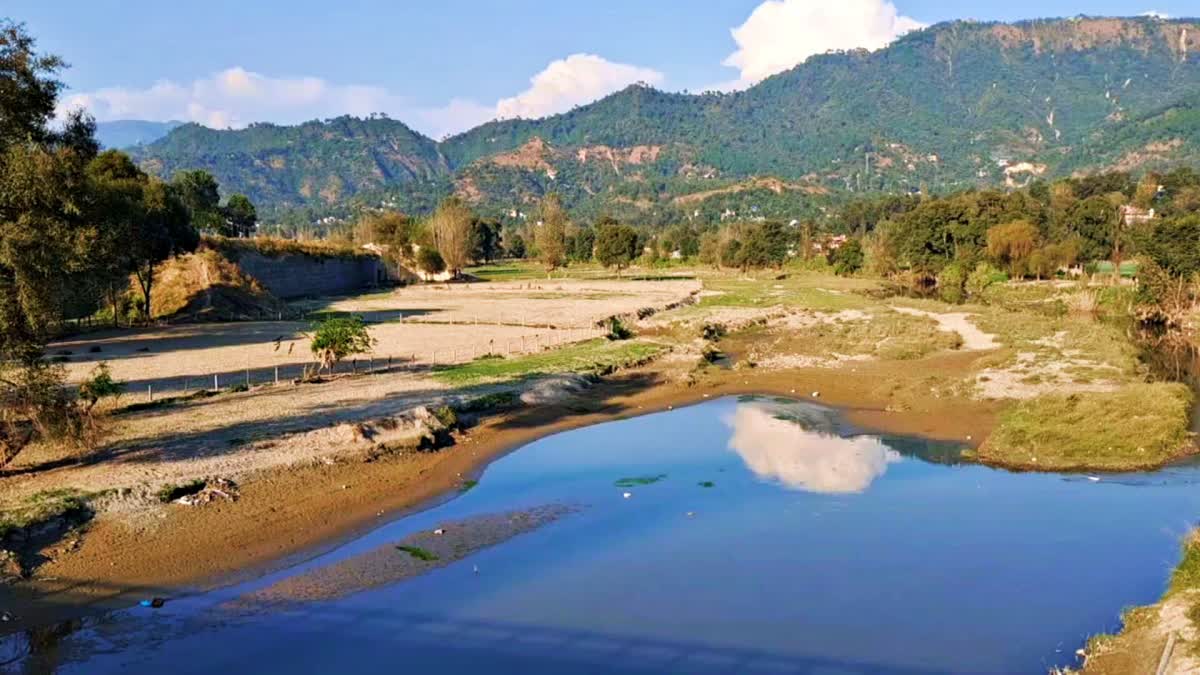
(43, 507)
(1186, 576)
(528, 269)
(706, 484)
(592, 356)
(811, 291)
(637, 481)
(419, 553)
(1138, 426)
(466, 485)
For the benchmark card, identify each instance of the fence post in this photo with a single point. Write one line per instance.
(276, 375)
(150, 393)
(216, 383)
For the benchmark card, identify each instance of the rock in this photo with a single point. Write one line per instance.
(554, 389)
(627, 495)
(10, 567)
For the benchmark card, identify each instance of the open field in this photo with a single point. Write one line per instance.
(415, 327)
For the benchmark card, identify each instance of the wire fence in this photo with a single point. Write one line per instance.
(288, 370)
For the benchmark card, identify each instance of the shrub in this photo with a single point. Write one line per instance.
(99, 384)
(617, 330)
(430, 261)
(713, 331)
(982, 277)
(335, 339)
(847, 258)
(950, 284)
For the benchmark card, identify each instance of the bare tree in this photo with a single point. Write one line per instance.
(451, 228)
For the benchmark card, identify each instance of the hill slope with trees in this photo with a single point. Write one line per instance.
(954, 106)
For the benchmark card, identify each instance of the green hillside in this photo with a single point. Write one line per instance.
(957, 105)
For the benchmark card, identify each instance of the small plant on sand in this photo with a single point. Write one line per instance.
(335, 339)
(99, 385)
(419, 553)
(617, 330)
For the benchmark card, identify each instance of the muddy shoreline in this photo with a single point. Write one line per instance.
(285, 517)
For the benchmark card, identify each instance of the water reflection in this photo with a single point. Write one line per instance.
(797, 444)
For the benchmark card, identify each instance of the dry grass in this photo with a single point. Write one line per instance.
(1136, 427)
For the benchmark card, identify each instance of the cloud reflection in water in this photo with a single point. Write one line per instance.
(795, 444)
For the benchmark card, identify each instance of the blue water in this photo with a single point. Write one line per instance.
(820, 549)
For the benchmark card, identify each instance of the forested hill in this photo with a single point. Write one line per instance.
(956, 105)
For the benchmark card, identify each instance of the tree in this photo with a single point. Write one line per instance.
(551, 234)
(335, 339)
(451, 228)
(1011, 244)
(514, 246)
(710, 249)
(485, 240)
(1095, 221)
(585, 245)
(47, 240)
(28, 88)
(202, 197)
(430, 261)
(147, 219)
(241, 218)
(1174, 244)
(616, 245)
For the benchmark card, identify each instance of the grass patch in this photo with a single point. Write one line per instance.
(706, 484)
(165, 402)
(636, 481)
(45, 506)
(466, 485)
(1138, 426)
(418, 553)
(497, 400)
(810, 291)
(171, 492)
(597, 355)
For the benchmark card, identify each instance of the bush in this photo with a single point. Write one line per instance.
(430, 261)
(951, 283)
(335, 339)
(847, 258)
(35, 404)
(713, 331)
(617, 330)
(982, 277)
(100, 384)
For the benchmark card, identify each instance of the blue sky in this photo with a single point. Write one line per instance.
(444, 66)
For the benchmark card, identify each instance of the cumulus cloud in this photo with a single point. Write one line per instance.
(577, 79)
(1155, 14)
(774, 445)
(236, 97)
(782, 33)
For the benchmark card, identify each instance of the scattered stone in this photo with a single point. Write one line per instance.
(6, 617)
(439, 531)
(816, 394)
(627, 495)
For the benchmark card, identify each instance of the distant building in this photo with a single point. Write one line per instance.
(1132, 215)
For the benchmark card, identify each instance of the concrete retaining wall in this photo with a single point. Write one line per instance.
(293, 275)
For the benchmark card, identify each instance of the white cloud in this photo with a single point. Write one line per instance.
(575, 80)
(236, 97)
(779, 449)
(782, 33)
(1155, 14)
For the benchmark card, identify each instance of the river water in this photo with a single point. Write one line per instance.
(818, 548)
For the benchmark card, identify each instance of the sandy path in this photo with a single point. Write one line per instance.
(957, 322)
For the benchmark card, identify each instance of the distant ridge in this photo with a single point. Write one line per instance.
(956, 105)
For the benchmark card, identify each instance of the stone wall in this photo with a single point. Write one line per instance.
(297, 275)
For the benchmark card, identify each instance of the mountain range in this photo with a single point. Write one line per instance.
(956, 105)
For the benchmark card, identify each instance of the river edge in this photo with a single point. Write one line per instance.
(286, 517)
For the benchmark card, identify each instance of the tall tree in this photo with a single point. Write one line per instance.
(485, 240)
(451, 228)
(241, 218)
(202, 197)
(551, 233)
(616, 245)
(1011, 244)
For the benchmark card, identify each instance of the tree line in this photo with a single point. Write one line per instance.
(79, 228)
